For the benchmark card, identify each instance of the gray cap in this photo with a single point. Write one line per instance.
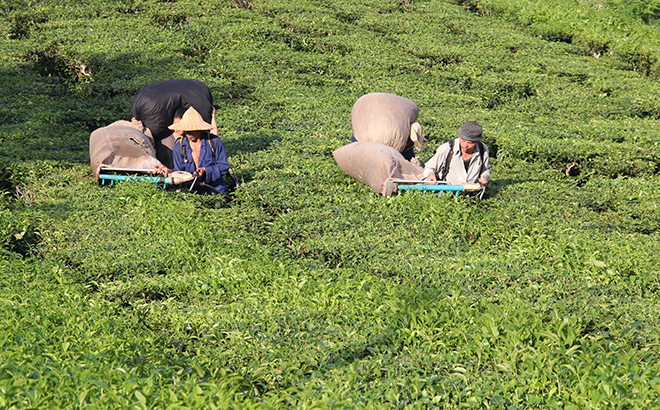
(470, 131)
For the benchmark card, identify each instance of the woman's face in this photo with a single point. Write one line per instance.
(193, 135)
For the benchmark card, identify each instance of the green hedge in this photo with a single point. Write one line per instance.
(604, 27)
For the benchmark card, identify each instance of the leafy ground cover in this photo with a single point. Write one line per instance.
(308, 290)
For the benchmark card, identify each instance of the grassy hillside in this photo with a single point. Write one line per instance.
(309, 290)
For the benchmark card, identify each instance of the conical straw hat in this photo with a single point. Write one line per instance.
(191, 121)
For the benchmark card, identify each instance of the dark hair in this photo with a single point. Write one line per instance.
(179, 113)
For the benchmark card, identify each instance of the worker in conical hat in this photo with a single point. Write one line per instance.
(155, 106)
(199, 152)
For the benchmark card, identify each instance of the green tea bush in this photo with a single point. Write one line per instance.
(649, 11)
(602, 26)
(16, 235)
(307, 289)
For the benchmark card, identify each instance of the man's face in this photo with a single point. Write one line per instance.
(467, 146)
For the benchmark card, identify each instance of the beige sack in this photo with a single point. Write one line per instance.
(374, 164)
(138, 126)
(384, 118)
(121, 144)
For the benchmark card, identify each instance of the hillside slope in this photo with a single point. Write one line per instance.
(308, 289)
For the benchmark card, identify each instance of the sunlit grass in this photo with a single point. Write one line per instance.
(308, 289)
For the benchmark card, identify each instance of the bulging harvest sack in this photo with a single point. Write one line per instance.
(374, 164)
(156, 104)
(121, 144)
(384, 118)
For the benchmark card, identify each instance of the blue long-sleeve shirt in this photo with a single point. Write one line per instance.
(216, 164)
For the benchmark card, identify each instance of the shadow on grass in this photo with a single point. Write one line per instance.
(50, 103)
(235, 93)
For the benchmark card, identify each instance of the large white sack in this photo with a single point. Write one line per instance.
(384, 118)
(121, 144)
(374, 164)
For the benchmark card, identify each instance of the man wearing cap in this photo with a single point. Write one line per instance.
(464, 159)
(199, 152)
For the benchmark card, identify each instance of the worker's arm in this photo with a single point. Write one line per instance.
(161, 170)
(434, 165)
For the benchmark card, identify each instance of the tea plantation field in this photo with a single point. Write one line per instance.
(308, 290)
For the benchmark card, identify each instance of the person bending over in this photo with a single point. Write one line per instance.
(199, 152)
(461, 160)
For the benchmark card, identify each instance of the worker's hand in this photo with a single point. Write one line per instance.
(161, 170)
(483, 181)
(432, 177)
(200, 172)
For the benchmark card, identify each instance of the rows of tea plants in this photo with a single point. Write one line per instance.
(307, 289)
(621, 28)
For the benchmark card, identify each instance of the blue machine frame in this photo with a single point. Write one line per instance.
(433, 188)
(398, 185)
(111, 178)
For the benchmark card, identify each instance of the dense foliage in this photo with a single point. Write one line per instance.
(308, 290)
